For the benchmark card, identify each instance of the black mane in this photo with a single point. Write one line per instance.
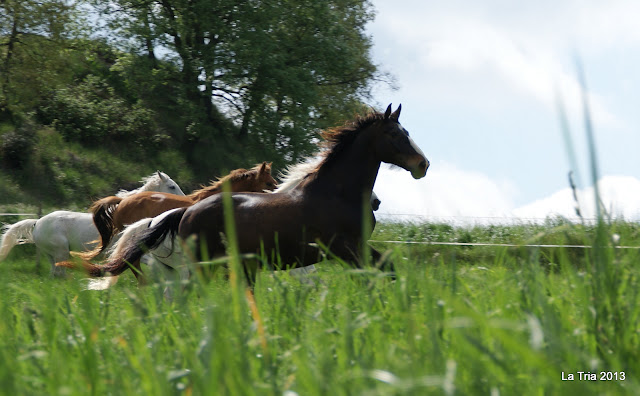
(337, 140)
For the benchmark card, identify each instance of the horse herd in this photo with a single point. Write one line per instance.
(320, 207)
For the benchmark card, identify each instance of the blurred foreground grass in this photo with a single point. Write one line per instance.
(458, 320)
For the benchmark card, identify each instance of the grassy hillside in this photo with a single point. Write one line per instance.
(38, 167)
(457, 320)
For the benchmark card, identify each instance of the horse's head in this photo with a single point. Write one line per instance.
(256, 179)
(264, 180)
(394, 146)
(165, 184)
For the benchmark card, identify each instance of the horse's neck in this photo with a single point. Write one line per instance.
(250, 185)
(352, 175)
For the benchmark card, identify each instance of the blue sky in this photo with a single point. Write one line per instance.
(479, 82)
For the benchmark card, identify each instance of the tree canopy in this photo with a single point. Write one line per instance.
(223, 82)
(277, 69)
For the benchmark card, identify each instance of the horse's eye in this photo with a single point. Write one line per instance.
(172, 187)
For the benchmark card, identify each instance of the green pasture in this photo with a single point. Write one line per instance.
(456, 321)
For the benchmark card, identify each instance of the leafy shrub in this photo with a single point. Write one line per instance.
(17, 146)
(92, 114)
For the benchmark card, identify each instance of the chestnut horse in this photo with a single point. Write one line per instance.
(112, 214)
(326, 208)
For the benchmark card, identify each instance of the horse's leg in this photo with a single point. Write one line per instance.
(311, 255)
(59, 252)
(346, 250)
(57, 271)
(137, 272)
(383, 262)
(168, 278)
(52, 243)
(250, 268)
(164, 269)
(302, 271)
(350, 251)
(183, 278)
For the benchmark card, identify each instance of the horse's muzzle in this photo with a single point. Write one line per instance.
(420, 170)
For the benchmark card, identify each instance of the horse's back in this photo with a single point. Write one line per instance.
(208, 210)
(211, 209)
(147, 204)
(261, 220)
(61, 230)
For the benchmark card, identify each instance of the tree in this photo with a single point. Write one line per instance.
(33, 38)
(277, 69)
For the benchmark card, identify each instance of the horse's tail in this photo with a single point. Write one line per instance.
(16, 234)
(131, 250)
(102, 211)
(129, 233)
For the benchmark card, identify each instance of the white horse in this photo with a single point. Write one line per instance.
(167, 260)
(60, 232)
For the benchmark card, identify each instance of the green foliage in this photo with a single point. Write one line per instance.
(226, 84)
(503, 325)
(91, 113)
(16, 146)
(34, 52)
(278, 70)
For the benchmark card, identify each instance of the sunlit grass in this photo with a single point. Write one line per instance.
(454, 322)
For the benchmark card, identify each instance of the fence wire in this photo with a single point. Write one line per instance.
(496, 244)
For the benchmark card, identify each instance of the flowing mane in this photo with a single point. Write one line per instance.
(294, 174)
(216, 185)
(336, 140)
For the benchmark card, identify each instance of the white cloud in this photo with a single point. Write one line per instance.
(529, 50)
(479, 82)
(445, 194)
(620, 196)
(448, 194)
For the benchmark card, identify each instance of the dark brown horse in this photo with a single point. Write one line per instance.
(112, 214)
(326, 208)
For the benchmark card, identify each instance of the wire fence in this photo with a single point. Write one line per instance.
(496, 244)
(449, 243)
(502, 219)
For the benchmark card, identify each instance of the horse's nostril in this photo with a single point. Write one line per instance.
(423, 164)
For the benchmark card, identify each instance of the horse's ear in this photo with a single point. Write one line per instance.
(396, 114)
(161, 176)
(265, 167)
(388, 112)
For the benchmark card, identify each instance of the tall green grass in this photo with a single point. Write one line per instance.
(502, 324)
